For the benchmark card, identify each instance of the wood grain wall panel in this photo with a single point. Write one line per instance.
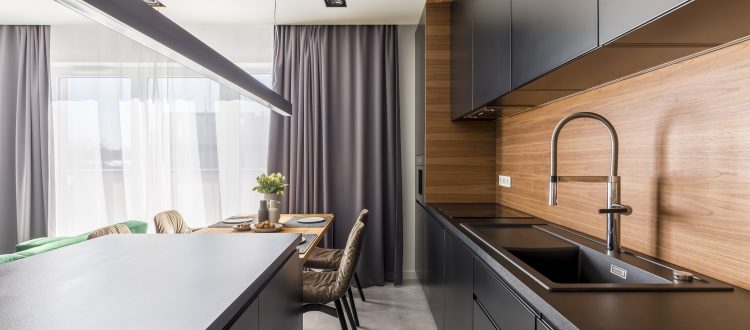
(684, 161)
(459, 156)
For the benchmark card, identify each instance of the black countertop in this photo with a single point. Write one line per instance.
(141, 281)
(597, 309)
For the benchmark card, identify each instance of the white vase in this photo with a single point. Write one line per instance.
(273, 211)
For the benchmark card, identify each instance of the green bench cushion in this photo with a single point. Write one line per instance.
(54, 245)
(10, 257)
(37, 242)
(136, 227)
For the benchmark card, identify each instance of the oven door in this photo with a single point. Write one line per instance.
(419, 176)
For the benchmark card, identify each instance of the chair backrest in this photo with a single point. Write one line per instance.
(351, 254)
(171, 222)
(108, 230)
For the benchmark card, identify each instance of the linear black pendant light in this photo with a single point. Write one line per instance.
(138, 21)
(335, 3)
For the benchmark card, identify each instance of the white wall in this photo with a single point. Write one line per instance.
(406, 67)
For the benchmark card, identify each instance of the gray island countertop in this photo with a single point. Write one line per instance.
(142, 281)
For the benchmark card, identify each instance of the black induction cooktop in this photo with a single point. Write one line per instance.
(479, 210)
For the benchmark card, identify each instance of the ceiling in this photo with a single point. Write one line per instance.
(233, 12)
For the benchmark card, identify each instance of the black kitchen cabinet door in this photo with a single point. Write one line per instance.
(491, 50)
(616, 17)
(480, 53)
(419, 78)
(420, 228)
(436, 270)
(481, 320)
(549, 33)
(500, 303)
(461, 58)
(459, 284)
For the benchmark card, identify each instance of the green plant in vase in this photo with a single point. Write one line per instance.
(272, 185)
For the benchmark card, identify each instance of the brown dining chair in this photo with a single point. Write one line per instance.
(109, 230)
(328, 260)
(171, 222)
(320, 288)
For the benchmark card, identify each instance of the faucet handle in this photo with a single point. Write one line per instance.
(618, 209)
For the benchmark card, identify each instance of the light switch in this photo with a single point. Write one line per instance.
(504, 181)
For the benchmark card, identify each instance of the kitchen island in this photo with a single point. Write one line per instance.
(206, 281)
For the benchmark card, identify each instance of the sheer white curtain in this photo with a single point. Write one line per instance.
(135, 134)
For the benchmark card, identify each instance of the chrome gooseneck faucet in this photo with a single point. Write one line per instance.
(614, 208)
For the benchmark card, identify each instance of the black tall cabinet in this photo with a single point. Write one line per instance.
(419, 86)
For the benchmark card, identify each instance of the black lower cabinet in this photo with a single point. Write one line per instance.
(459, 284)
(275, 310)
(248, 320)
(436, 270)
(481, 320)
(420, 230)
(462, 293)
(278, 306)
(502, 306)
(541, 325)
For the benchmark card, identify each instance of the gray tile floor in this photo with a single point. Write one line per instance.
(387, 307)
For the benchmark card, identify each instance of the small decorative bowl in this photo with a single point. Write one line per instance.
(245, 226)
(277, 227)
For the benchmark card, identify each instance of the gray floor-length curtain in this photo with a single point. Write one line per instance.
(340, 150)
(24, 101)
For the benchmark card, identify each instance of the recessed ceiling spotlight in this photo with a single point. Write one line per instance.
(154, 3)
(335, 3)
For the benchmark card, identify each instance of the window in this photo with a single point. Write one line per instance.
(134, 138)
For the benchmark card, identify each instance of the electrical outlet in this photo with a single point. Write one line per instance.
(504, 181)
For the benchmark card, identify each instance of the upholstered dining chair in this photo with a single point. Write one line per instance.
(108, 230)
(320, 288)
(329, 259)
(171, 222)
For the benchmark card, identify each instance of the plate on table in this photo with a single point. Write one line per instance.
(276, 227)
(244, 226)
(311, 220)
(236, 220)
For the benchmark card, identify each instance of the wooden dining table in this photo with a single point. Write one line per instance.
(317, 231)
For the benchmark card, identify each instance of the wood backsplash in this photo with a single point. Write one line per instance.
(684, 161)
(459, 156)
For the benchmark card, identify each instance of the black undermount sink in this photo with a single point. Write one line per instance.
(563, 261)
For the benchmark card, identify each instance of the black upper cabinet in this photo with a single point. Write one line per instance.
(491, 50)
(549, 33)
(461, 62)
(616, 17)
(480, 53)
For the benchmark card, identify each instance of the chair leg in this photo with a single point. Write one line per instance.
(359, 287)
(340, 312)
(354, 307)
(348, 312)
(320, 308)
